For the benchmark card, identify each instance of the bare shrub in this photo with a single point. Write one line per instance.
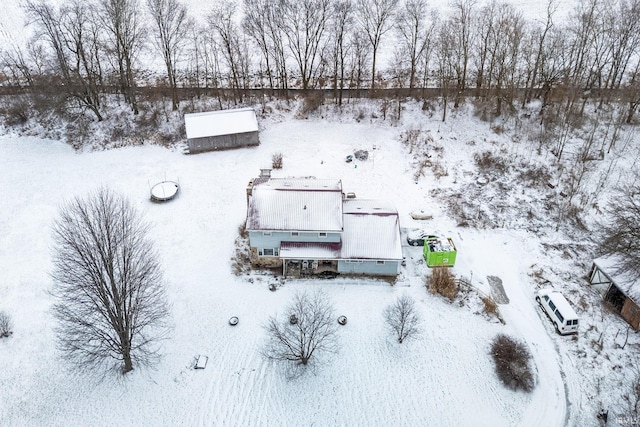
(111, 305)
(402, 318)
(313, 333)
(276, 161)
(489, 162)
(6, 324)
(533, 175)
(513, 363)
(241, 261)
(311, 102)
(490, 306)
(439, 170)
(491, 309)
(15, 110)
(442, 282)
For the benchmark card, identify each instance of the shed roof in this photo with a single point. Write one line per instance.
(222, 122)
(371, 230)
(610, 266)
(295, 204)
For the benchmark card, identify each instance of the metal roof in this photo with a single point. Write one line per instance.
(610, 266)
(222, 122)
(298, 204)
(371, 230)
(308, 250)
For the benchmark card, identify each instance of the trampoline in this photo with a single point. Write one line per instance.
(164, 191)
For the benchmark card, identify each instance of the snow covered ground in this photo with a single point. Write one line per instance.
(445, 377)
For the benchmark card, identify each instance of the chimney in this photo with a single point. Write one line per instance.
(265, 173)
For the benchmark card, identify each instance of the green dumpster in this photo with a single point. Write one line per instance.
(440, 252)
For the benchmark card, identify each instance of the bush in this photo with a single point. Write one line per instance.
(513, 363)
(6, 325)
(442, 282)
(489, 162)
(311, 102)
(276, 161)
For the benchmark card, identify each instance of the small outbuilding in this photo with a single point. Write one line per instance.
(620, 290)
(221, 130)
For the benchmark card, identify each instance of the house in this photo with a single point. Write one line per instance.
(618, 289)
(308, 226)
(219, 130)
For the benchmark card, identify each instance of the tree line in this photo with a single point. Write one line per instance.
(84, 49)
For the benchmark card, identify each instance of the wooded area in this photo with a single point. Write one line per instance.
(83, 50)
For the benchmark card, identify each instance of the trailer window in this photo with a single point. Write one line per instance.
(560, 318)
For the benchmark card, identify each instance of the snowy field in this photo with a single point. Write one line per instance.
(443, 378)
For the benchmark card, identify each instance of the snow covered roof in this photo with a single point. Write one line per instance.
(223, 122)
(296, 204)
(371, 230)
(308, 250)
(609, 265)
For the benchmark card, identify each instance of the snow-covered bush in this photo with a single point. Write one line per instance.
(6, 324)
(442, 282)
(513, 363)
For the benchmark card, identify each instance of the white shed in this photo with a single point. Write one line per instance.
(223, 129)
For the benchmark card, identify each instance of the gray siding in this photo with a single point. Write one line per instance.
(258, 240)
(223, 142)
(369, 267)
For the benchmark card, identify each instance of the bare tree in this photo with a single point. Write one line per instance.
(539, 36)
(70, 33)
(256, 25)
(402, 318)
(6, 324)
(445, 56)
(505, 49)
(462, 24)
(171, 31)
(621, 231)
(375, 19)
(124, 40)
(415, 34)
(309, 328)
(111, 303)
(305, 24)
(222, 22)
(340, 20)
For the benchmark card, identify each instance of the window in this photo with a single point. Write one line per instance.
(266, 233)
(560, 318)
(380, 262)
(269, 252)
(295, 234)
(552, 305)
(322, 234)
